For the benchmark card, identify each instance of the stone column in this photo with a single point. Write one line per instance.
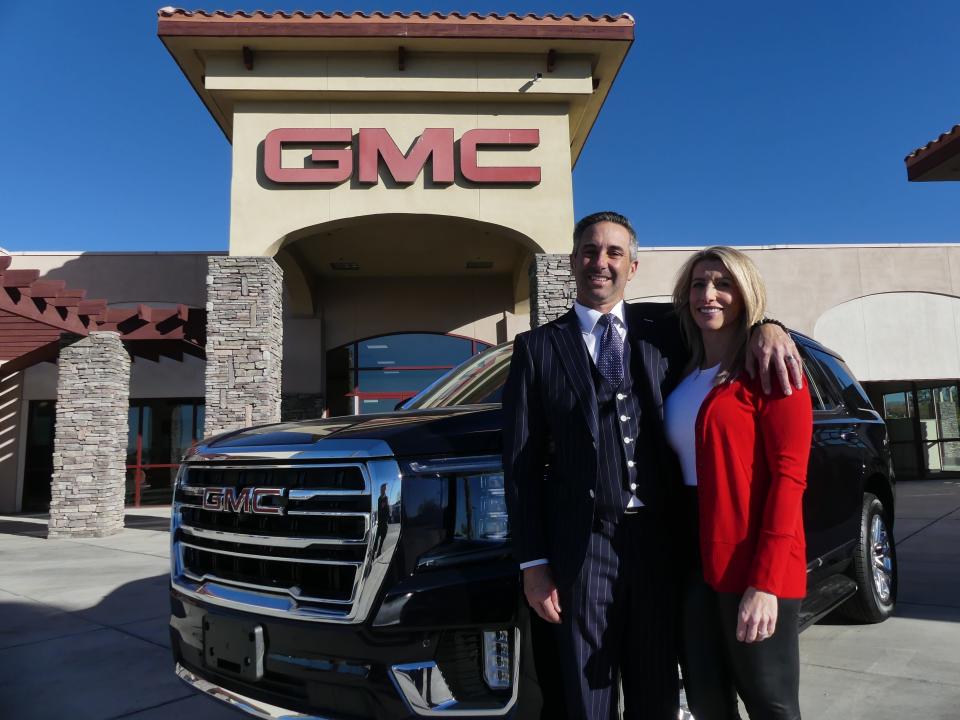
(552, 287)
(244, 342)
(90, 440)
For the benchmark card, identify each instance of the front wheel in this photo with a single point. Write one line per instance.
(874, 566)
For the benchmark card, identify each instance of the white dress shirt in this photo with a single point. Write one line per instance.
(590, 332)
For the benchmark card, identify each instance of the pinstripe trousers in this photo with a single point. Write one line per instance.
(618, 625)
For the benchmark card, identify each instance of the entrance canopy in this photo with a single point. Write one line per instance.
(267, 46)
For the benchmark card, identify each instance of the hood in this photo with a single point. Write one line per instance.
(464, 430)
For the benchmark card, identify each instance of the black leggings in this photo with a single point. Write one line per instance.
(716, 666)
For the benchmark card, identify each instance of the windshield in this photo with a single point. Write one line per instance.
(479, 380)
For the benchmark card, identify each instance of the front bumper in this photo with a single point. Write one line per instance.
(256, 708)
(338, 672)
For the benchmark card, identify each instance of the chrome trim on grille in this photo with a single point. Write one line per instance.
(381, 536)
(426, 693)
(275, 558)
(310, 494)
(234, 592)
(255, 708)
(276, 540)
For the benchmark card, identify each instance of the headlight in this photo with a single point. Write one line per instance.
(476, 493)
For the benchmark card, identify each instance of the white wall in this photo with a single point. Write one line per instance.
(895, 336)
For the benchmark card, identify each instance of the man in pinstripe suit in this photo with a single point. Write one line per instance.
(590, 481)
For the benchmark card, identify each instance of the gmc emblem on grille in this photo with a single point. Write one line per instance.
(247, 500)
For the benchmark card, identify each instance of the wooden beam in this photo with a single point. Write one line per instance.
(92, 307)
(47, 289)
(44, 353)
(18, 278)
(27, 308)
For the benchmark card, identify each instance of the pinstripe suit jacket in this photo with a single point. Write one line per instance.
(550, 431)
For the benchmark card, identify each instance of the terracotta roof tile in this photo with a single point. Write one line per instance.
(934, 144)
(253, 23)
(358, 15)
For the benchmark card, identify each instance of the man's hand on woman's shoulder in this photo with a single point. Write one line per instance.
(772, 351)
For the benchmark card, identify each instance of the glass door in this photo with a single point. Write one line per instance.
(937, 414)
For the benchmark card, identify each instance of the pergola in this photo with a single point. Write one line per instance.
(38, 315)
(43, 320)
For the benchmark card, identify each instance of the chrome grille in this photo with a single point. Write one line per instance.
(308, 551)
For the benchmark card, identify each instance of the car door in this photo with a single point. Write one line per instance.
(832, 501)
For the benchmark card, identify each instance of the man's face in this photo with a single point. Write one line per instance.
(602, 265)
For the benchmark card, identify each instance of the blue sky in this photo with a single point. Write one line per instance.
(742, 122)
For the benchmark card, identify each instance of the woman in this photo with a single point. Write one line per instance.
(744, 459)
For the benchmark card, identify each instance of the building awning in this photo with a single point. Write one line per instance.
(258, 41)
(937, 160)
(35, 313)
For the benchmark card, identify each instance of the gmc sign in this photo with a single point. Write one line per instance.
(333, 154)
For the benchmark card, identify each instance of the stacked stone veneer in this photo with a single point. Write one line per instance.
(552, 288)
(244, 342)
(90, 439)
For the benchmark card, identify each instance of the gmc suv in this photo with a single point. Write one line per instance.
(359, 567)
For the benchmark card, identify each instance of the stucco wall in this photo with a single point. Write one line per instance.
(263, 214)
(905, 336)
(125, 278)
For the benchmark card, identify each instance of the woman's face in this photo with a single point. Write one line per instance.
(715, 300)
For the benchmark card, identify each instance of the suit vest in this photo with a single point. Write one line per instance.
(620, 466)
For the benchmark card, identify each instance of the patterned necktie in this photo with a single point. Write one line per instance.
(610, 357)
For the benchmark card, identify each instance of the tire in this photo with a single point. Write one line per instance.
(874, 566)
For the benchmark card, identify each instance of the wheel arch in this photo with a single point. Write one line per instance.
(883, 489)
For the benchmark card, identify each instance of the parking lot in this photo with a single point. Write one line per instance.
(83, 626)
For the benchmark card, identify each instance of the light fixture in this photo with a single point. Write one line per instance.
(341, 265)
(479, 264)
(496, 659)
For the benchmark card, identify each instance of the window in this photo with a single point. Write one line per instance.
(853, 394)
(376, 374)
(161, 432)
(822, 392)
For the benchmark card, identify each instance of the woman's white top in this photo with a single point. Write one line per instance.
(680, 418)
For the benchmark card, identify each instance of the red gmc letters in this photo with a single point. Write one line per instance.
(333, 154)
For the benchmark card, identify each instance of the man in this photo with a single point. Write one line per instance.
(589, 479)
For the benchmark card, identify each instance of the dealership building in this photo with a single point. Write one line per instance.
(401, 199)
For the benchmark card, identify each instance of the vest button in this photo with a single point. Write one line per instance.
(630, 463)
(624, 418)
(621, 396)
(627, 441)
(592, 494)
(633, 486)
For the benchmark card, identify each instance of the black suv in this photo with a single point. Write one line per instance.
(360, 567)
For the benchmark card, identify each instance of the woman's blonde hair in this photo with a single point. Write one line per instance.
(754, 295)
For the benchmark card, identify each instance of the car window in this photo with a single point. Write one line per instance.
(823, 394)
(853, 395)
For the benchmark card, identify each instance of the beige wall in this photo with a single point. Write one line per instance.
(125, 278)
(363, 307)
(263, 215)
(903, 336)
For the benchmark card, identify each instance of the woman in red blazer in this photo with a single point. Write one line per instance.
(744, 459)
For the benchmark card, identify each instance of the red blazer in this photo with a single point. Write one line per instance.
(752, 453)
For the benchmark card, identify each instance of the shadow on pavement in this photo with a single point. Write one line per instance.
(35, 525)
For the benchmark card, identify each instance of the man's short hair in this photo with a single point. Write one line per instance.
(605, 216)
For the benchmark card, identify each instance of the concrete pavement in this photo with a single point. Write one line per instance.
(83, 626)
